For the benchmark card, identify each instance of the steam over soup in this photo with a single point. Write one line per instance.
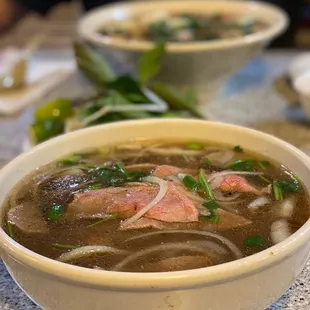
(156, 206)
(181, 27)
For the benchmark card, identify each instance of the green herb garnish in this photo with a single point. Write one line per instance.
(206, 162)
(92, 187)
(55, 212)
(238, 149)
(65, 246)
(211, 206)
(282, 188)
(254, 241)
(190, 182)
(10, 229)
(204, 185)
(264, 179)
(248, 165)
(71, 160)
(120, 166)
(194, 146)
(150, 63)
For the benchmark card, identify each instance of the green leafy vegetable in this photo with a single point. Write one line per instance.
(248, 165)
(211, 206)
(206, 162)
(204, 185)
(65, 246)
(129, 88)
(255, 241)
(175, 99)
(264, 179)
(194, 146)
(282, 188)
(150, 63)
(93, 65)
(190, 182)
(238, 149)
(55, 212)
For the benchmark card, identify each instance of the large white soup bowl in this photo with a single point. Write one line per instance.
(251, 283)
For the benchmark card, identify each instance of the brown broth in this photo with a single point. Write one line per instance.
(47, 186)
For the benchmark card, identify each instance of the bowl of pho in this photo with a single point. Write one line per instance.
(180, 212)
(205, 41)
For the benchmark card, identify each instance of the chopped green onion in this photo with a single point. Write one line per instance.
(194, 146)
(211, 206)
(278, 194)
(264, 164)
(238, 149)
(10, 229)
(255, 241)
(216, 219)
(120, 166)
(112, 217)
(204, 185)
(71, 160)
(190, 182)
(65, 246)
(264, 179)
(55, 212)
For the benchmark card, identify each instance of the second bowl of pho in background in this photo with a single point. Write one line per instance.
(156, 214)
(206, 41)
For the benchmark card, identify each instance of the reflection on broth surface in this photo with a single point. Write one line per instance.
(156, 206)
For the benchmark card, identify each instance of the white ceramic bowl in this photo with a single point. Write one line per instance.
(302, 86)
(251, 283)
(202, 64)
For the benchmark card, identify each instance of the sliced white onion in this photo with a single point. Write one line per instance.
(161, 248)
(163, 188)
(280, 231)
(175, 151)
(221, 197)
(221, 157)
(87, 251)
(230, 172)
(259, 202)
(286, 207)
(224, 240)
(173, 178)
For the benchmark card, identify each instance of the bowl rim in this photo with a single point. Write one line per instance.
(160, 280)
(139, 46)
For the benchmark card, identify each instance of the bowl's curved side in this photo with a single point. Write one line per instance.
(91, 22)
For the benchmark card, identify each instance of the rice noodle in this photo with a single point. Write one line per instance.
(87, 251)
(162, 248)
(163, 188)
(259, 202)
(286, 207)
(221, 197)
(224, 240)
(175, 151)
(280, 231)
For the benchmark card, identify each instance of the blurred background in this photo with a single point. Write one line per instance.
(60, 21)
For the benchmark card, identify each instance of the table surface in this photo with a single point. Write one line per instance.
(248, 99)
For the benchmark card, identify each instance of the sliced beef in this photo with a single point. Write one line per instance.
(127, 201)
